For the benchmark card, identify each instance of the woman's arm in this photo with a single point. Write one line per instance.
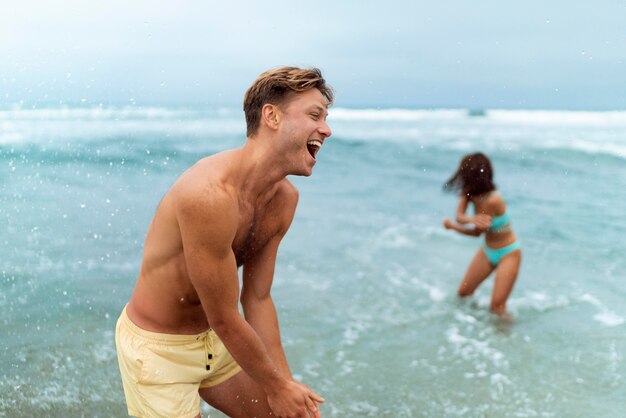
(481, 221)
(461, 217)
(473, 232)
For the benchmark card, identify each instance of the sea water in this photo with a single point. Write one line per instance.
(366, 279)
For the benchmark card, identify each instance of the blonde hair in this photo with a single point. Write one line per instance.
(275, 86)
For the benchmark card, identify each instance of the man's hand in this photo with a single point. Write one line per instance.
(447, 223)
(312, 401)
(294, 400)
(482, 222)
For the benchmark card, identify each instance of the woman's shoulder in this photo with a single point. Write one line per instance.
(496, 203)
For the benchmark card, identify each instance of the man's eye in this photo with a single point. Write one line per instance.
(315, 116)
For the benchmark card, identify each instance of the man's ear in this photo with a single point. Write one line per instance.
(270, 114)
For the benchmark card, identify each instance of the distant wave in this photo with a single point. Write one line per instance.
(560, 117)
(395, 114)
(114, 113)
(19, 125)
(545, 117)
(456, 129)
(466, 130)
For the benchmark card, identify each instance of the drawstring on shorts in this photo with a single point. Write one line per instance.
(208, 349)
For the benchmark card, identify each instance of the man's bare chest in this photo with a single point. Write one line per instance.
(254, 232)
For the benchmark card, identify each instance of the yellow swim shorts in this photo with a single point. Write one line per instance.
(161, 373)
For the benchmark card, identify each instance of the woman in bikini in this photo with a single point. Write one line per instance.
(501, 250)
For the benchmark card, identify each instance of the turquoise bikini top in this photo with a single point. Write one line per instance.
(499, 223)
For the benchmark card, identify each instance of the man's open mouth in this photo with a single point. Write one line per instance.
(313, 147)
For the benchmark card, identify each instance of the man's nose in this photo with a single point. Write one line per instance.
(325, 130)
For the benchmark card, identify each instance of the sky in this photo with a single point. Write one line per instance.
(532, 54)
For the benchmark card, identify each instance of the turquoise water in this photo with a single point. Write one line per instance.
(366, 278)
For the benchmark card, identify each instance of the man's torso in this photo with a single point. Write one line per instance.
(164, 299)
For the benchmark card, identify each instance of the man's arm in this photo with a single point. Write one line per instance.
(208, 224)
(258, 305)
(258, 276)
(208, 227)
(256, 298)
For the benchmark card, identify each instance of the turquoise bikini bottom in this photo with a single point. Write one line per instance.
(495, 254)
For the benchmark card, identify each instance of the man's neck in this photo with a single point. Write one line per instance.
(258, 170)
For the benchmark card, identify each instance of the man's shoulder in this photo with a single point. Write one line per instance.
(288, 189)
(287, 195)
(206, 212)
(203, 193)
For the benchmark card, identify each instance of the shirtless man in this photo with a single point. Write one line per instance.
(181, 336)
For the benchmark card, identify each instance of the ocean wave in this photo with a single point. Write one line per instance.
(469, 348)
(517, 117)
(605, 316)
(19, 126)
(594, 133)
(115, 113)
(532, 117)
(395, 114)
(559, 117)
(459, 130)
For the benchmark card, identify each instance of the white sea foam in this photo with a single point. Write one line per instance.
(395, 237)
(525, 117)
(605, 316)
(473, 349)
(37, 125)
(447, 128)
(539, 301)
(394, 114)
(591, 299)
(499, 381)
(461, 317)
(436, 294)
(588, 132)
(111, 113)
(363, 408)
(104, 353)
(609, 319)
(312, 369)
(347, 367)
(559, 117)
(354, 329)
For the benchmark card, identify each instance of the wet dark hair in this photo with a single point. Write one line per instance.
(473, 177)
